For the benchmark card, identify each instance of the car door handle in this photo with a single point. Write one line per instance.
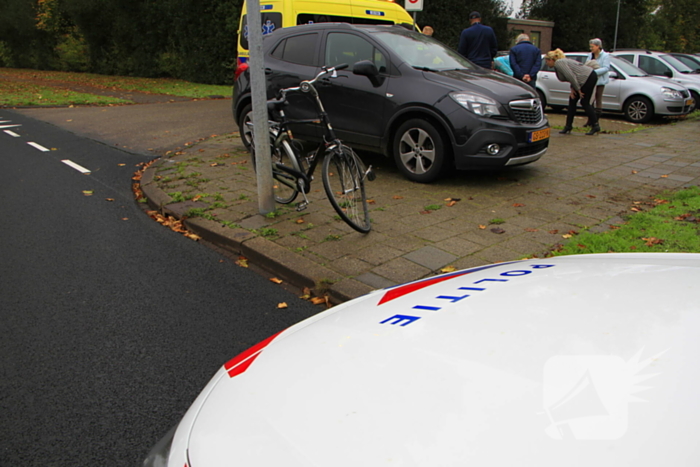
(268, 71)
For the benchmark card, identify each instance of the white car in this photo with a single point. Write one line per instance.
(666, 67)
(570, 361)
(631, 91)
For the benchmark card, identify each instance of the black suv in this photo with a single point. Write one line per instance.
(405, 95)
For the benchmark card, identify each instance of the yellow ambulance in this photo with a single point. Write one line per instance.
(284, 13)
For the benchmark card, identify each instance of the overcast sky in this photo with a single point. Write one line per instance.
(516, 6)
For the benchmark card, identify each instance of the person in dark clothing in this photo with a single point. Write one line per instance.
(525, 60)
(477, 43)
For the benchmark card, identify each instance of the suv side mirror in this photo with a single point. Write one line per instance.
(368, 69)
(613, 75)
(668, 74)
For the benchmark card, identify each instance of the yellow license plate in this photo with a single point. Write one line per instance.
(538, 135)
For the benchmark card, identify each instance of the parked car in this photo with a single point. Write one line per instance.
(583, 360)
(632, 91)
(285, 13)
(691, 61)
(665, 65)
(405, 95)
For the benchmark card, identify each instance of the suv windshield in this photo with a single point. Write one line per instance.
(627, 67)
(423, 52)
(677, 64)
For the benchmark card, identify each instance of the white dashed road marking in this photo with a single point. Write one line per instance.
(9, 126)
(12, 133)
(39, 147)
(77, 167)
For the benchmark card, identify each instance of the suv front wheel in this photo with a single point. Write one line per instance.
(419, 151)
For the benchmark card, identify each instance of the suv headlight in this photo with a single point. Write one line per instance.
(480, 105)
(671, 93)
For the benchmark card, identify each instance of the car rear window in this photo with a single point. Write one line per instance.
(297, 49)
(311, 18)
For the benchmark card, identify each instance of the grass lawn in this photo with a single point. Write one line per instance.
(671, 224)
(13, 93)
(22, 87)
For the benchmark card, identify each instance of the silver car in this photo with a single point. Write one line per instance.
(630, 91)
(665, 66)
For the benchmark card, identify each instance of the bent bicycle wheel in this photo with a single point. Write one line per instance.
(345, 187)
(284, 185)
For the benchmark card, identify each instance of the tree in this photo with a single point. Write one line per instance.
(675, 25)
(666, 25)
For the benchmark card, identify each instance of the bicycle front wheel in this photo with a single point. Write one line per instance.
(344, 183)
(284, 185)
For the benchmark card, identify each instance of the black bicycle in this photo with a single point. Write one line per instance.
(343, 174)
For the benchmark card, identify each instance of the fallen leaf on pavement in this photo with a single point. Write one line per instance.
(529, 229)
(242, 261)
(451, 203)
(110, 199)
(482, 226)
(192, 236)
(306, 294)
(88, 192)
(448, 269)
(276, 280)
(498, 230)
(281, 305)
(554, 232)
(300, 220)
(518, 205)
(397, 197)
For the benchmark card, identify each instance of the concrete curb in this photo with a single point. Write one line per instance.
(278, 261)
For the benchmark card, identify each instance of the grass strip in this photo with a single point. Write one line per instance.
(672, 224)
(15, 94)
(167, 86)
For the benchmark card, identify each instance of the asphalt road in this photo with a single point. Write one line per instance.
(143, 129)
(111, 324)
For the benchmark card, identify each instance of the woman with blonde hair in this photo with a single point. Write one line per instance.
(583, 81)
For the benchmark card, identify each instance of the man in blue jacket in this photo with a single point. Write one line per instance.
(525, 60)
(478, 43)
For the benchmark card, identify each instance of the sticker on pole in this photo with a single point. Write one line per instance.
(414, 5)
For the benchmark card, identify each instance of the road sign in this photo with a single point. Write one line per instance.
(414, 5)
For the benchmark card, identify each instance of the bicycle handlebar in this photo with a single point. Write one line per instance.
(306, 85)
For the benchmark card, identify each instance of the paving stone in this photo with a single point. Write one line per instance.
(375, 281)
(400, 270)
(430, 257)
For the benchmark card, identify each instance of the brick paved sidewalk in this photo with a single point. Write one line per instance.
(582, 182)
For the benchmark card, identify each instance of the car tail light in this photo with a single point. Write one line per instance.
(241, 67)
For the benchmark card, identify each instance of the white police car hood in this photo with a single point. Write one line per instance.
(573, 361)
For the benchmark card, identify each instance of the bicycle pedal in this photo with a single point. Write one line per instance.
(369, 173)
(301, 206)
